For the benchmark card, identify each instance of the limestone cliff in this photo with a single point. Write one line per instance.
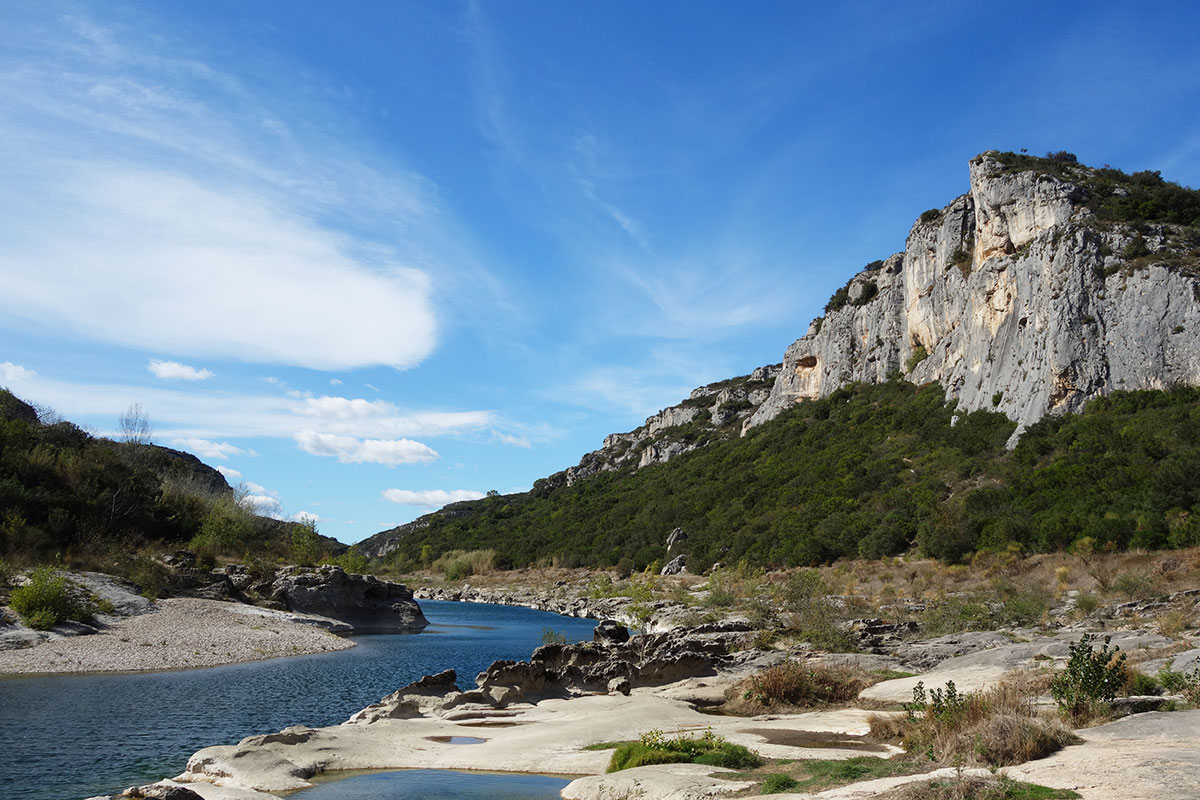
(1024, 295)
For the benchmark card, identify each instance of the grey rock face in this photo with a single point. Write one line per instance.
(675, 566)
(363, 601)
(710, 408)
(1012, 299)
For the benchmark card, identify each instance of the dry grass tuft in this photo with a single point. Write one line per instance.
(969, 787)
(994, 728)
(796, 685)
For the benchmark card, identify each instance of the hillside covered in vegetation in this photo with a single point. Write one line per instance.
(870, 470)
(74, 498)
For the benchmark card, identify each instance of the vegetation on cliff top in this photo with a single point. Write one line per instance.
(1113, 195)
(868, 471)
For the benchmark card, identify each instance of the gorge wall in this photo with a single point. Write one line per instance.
(1016, 297)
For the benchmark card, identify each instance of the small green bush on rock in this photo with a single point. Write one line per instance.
(46, 601)
(778, 782)
(654, 748)
(1090, 678)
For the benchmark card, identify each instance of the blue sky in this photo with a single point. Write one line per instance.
(370, 257)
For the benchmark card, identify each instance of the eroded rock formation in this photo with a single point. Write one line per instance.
(1015, 298)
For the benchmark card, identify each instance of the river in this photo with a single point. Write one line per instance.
(73, 736)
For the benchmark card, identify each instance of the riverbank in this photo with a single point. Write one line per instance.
(180, 633)
(430, 724)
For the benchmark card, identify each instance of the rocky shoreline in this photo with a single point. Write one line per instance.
(223, 616)
(544, 716)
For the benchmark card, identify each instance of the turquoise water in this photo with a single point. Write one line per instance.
(437, 784)
(73, 736)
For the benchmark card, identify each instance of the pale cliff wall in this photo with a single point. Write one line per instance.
(1021, 300)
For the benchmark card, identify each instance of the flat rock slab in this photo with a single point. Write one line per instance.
(982, 669)
(1152, 756)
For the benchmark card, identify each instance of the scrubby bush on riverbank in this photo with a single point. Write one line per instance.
(46, 600)
(655, 748)
(996, 728)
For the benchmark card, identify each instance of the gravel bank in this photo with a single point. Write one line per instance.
(182, 633)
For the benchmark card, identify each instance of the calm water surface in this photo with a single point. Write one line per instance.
(72, 736)
(437, 784)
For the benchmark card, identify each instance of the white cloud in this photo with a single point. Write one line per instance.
(508, 438)
(208, 449)
(352, 450)
(208, 415)
(173, 370)
(306, 516)
(430, 498)
(228, 250)
(230, 473)
(335, 381)
(149, 194)
(15, 373)
(263, 505)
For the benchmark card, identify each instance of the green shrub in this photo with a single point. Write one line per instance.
(838, 300)
(1090, 678)
(351, 561)
(931, 214)
(46, 601)
(654, 748)
(306, 543)
(919, 354)
(994, 728)
(777, 782)
(551, 636)
(1139, 683)
(1184, 683)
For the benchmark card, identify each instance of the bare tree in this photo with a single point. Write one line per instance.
(134, 425)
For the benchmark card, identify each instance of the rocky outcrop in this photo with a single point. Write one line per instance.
(610, 663)
(710, 412)
(1015, 299)
(363, 602)
(368, 604)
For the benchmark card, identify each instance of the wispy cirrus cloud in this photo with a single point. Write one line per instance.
(430, 498)
(127, 151)
(173, 370)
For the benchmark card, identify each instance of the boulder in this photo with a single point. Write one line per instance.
(674, 566)
(365, 602)
(161, 791)
(609, 631)
(675, 538)
(414, 700)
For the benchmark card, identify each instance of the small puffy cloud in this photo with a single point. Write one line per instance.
(15, 373)
(174, 371)
(430, 498)
(352, 450)
(305, 516)
(258, 499)
(230, 473)
(335, 381)
(209, 449)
